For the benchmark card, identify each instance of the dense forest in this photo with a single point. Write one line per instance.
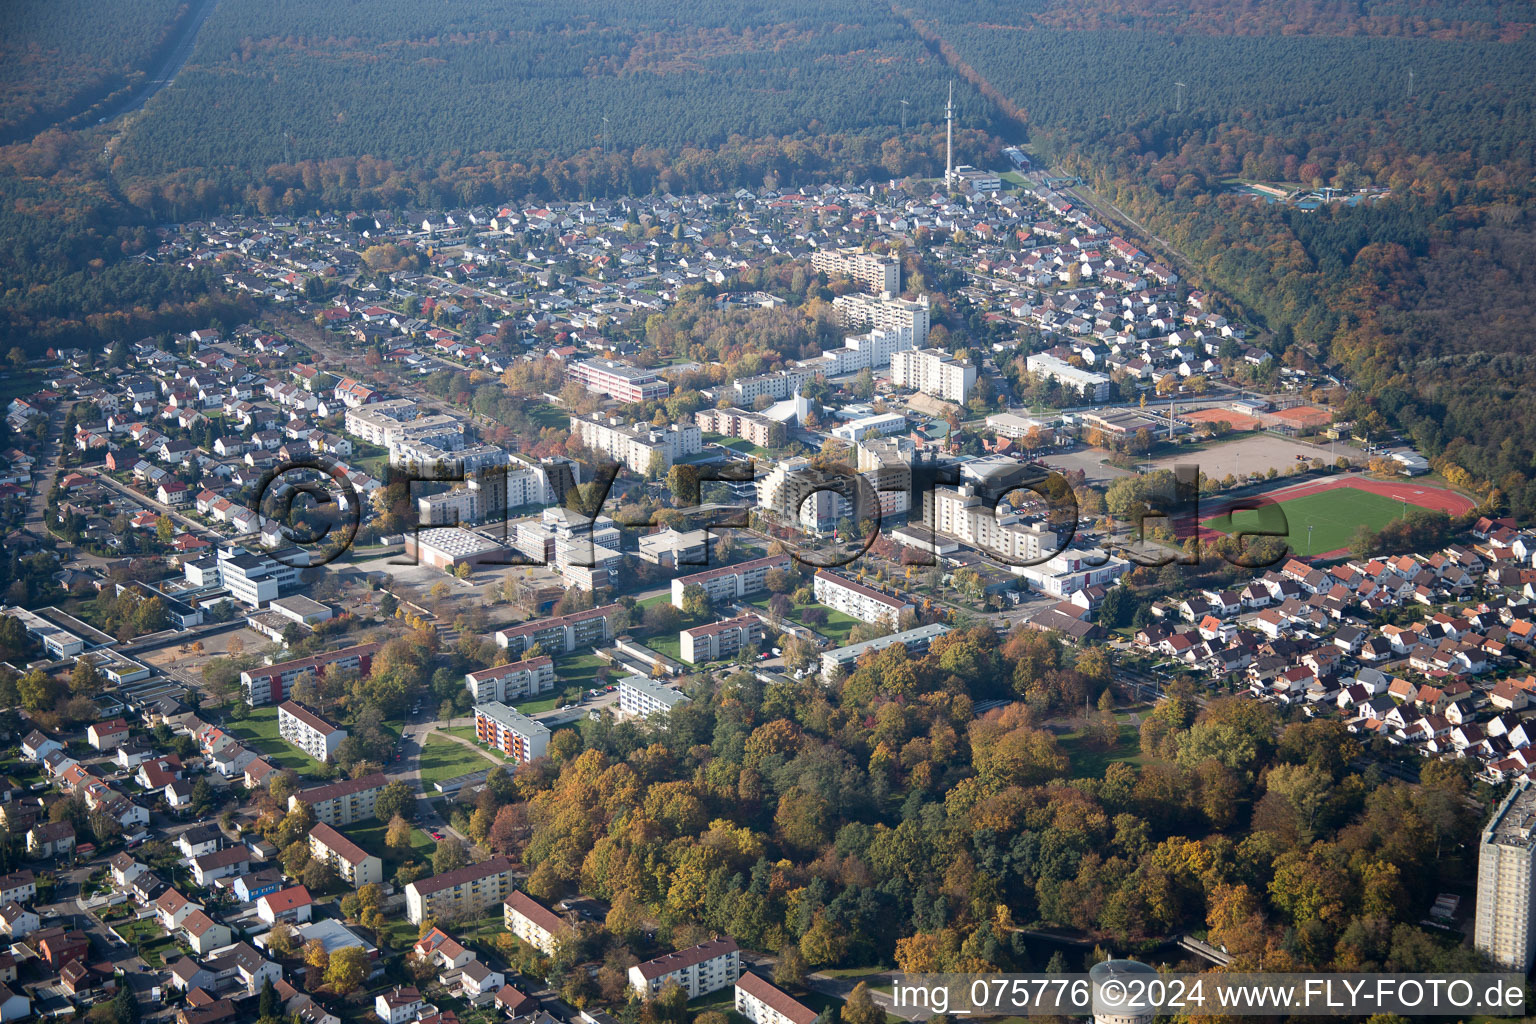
(279, 83)
(880, 818)
(1413, 295)
(59, 56)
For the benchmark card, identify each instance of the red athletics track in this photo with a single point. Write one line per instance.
(1436, 499)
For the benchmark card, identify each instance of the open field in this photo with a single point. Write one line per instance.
(442, 758)
(1255, 453)
(1335, 509)
(837, 627)
(258, 730)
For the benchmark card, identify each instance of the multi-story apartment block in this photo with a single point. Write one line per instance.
(718, 640)
(863, 602)
(527, 678)
(1094, 386)
(749, 426)
(560, 634)
(700, 969)
(343, 803)
(462, 892)
(640, 697)
(619, 381)
(730, 582)
(259, 686)
(869, 312)
(533, 922)
(967, 515)
(933, 372)
(798, 491)
(639, 446)
(1506, 870)
(401, 419)
(762, 1003)
(356, 866)
(491, 491)
(777, 386)
(511, 732)
(916, 642)
(875, 272)
(308, 731)
(438, 462)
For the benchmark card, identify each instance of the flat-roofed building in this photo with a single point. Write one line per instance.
(730, 582)
(879, 313)
(875, 272)
(639, 446)
(560, 634)
(356, 866)
(749, 426)
(308, 731)
(1504, 930)
(533, 922)
(700, 969)
(511, 732)
(916, 642)
(717, 640)
(762, 1003)
(933, 372)
(345, 802)
(671, 548)
(851, 597)
(1094, 386)
(527, 678)
(464, 891)
(446, 547)
(641, 697)
(259, 686)
(619, 381)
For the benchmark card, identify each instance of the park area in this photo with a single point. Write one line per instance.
(1322, 518)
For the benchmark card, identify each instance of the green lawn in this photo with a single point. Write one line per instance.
(258, 730)
(837, 627)
(371, 839)
(1089, 760)
(1334, 517)
(572, 672)
(545, 415)
(443, 758)
(739, 444)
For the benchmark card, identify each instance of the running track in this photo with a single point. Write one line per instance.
(1436, 499)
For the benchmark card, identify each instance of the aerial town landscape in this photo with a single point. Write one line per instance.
(679, 592)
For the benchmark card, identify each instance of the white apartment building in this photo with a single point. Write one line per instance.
(638, 445)
(762, 1003)
(787, 490)
(640, 697)
(559, 634)
(965, 514)
(399, 419)
(619, 381)
(853, 598)
(488, 492)
(356, 866)
(866, 312)
(1503, 930)
(730, 582)
(933, 372)
(875, 272)
(879, 425)
(699, 969)
(533, 922)
(1095, 386)
(717, 640)
(511, 732)
(345, 802)
(916, 641)
(778, 386)
(521, 679)
(463, 891)
(308, 731)
(443, 462)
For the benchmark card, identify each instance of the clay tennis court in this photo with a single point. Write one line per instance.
(1235, 420)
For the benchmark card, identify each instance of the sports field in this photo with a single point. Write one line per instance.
(1334, 516)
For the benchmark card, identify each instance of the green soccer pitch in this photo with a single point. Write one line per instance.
(1335, 517)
